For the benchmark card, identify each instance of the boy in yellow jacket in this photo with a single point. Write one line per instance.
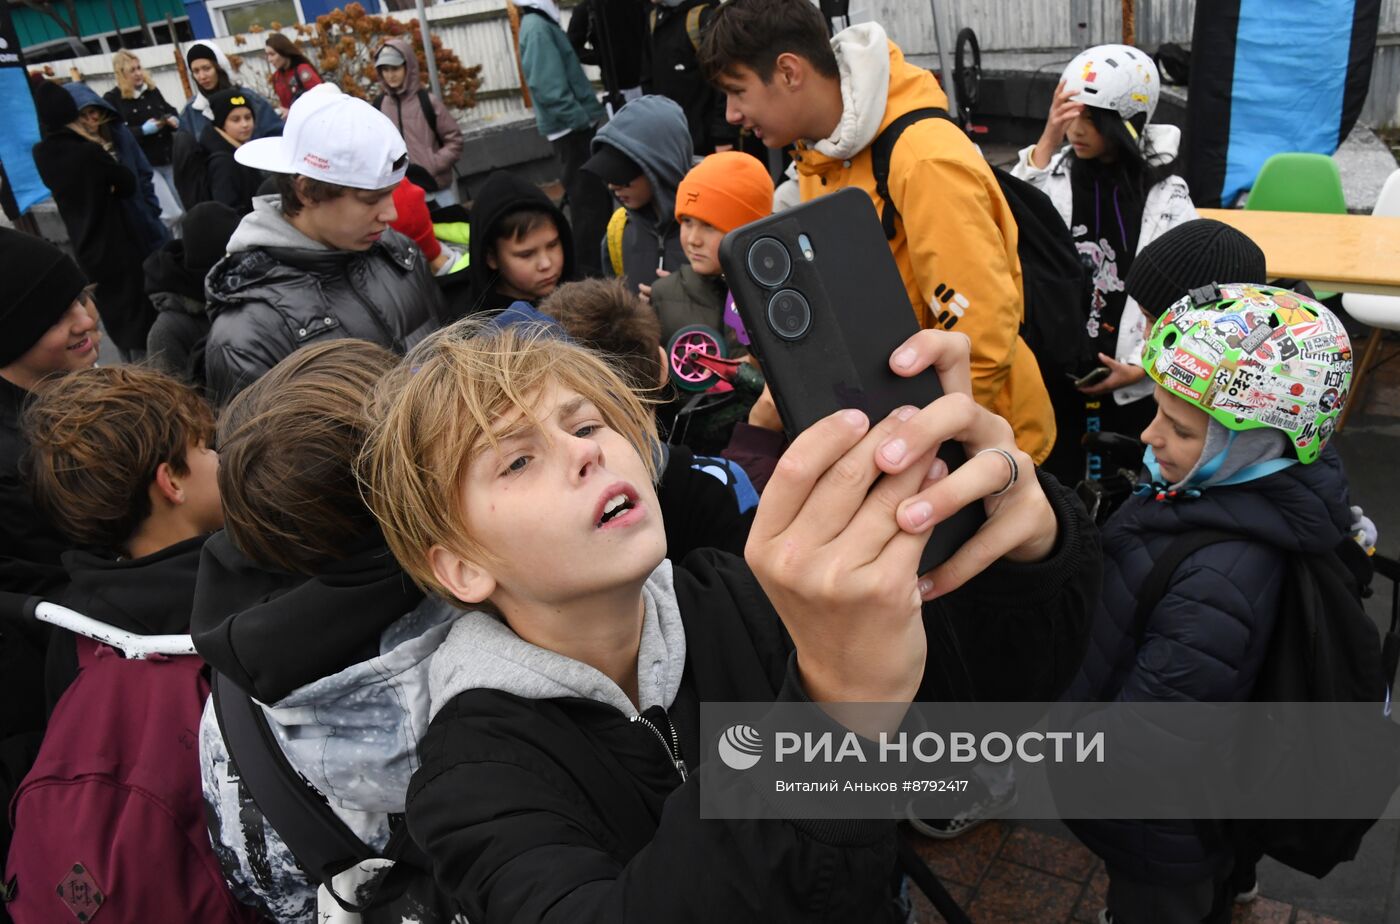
(955, 242)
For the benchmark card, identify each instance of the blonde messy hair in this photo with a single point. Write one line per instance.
(442, 408)
(120, 60)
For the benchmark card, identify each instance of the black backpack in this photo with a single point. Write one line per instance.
(1324, 648)
(1054, 280)
(190, 165)
(321, 842)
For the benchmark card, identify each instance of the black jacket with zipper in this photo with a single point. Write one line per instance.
(566, 810)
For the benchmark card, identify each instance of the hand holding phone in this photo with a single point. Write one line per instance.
(825, 307)
(1021, 525)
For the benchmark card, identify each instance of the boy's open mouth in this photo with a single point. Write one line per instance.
(615, 502)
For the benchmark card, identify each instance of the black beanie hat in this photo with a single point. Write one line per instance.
(207, 228)
(225, 101)
(54, 106)
(41, 283)
(200, 52)
(1191, 255)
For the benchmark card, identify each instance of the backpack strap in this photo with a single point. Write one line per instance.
(426, 101)
(617, 224)
(1154, 588)
(322, 844)
(692, 25)
(1164, 568)
(918, 871)
(882, 150)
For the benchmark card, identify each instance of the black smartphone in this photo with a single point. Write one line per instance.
(824, 308)
(1093, 377)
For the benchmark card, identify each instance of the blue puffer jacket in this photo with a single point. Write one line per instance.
(1207, 637)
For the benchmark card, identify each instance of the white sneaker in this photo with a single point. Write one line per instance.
(1249, 895)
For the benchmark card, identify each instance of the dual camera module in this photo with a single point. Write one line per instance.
(770, 265)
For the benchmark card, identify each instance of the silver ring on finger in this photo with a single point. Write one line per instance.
(1012, 476)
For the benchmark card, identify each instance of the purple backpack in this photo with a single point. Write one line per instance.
(111, 817)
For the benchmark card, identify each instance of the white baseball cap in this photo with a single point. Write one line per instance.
(334, 138)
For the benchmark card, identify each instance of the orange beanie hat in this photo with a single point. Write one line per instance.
(726, 190)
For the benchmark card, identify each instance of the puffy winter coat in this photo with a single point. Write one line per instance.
(277, 290)
(1207, 637)
(956, 243)
(685, 297)
(406, 112)
(542, 798)
(1168, 205)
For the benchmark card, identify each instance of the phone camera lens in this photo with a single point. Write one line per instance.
(789, 314)
(769, 262)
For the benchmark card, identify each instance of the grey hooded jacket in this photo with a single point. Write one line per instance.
(277, 290)
(652, 131)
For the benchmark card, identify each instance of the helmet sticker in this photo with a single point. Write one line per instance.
(1253, 357)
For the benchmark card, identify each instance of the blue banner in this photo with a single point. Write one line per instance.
(19, 125)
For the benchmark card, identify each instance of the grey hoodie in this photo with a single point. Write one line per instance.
(652, 131)
(481, 652)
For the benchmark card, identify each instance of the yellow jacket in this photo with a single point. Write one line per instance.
(956, 243)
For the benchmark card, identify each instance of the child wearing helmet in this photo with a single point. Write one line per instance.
(1115, 188)
(1249, 382)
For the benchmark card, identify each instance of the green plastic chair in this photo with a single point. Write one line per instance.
(1299, 182)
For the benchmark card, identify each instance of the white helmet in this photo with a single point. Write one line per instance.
(1116, 77)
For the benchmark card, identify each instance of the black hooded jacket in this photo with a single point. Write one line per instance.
(271, 632)
(501, 194)
(564, 809)
(151, 595)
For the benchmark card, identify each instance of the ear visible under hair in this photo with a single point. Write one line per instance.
(166, 484)
(790, 70)
(467, 581)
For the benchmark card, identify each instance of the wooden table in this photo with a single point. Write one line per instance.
(1332, 253)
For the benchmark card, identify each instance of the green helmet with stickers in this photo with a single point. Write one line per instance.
(1255, 356)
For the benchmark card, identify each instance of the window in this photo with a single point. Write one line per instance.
(230, 17)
